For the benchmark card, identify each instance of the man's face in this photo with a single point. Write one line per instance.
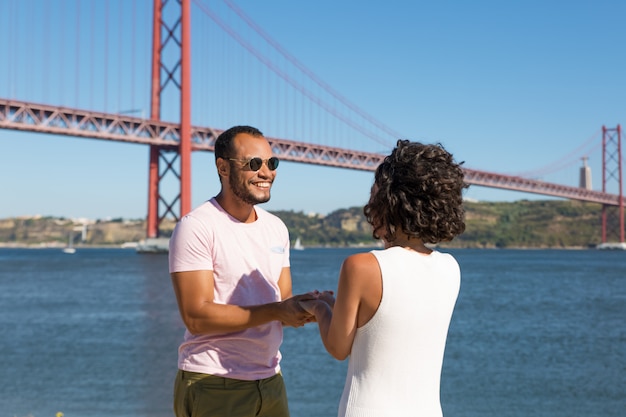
(251, 187)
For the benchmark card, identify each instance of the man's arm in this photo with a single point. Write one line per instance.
(284, 283)
(201, 315)
(291, 302)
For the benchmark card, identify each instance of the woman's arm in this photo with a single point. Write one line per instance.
(358, 295)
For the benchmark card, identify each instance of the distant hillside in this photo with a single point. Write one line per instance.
(55, 231)
(525, 224)
(521, 224)
(535, 224)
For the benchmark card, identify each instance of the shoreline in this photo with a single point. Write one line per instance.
(55, 245)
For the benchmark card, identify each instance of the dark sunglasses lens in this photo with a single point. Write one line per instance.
(255, 164)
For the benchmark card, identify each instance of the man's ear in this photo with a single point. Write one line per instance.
(223, 167)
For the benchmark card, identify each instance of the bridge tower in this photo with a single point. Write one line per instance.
(612, 176)
(171, 29)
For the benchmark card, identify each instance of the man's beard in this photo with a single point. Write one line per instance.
(239, 190)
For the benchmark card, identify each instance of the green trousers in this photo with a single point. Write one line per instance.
(202, 395)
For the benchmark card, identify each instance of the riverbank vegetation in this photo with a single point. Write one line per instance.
(520, 224)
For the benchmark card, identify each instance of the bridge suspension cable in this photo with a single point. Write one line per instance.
(308, 93)
(328, 88)
(592, 144)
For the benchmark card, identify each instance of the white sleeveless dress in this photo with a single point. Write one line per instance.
(395, 365)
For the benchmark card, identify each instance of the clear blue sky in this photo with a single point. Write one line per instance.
(510, 87)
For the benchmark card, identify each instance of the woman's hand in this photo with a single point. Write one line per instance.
(322, 300)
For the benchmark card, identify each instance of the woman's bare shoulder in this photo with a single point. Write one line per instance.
(361, 263)
(360, 260)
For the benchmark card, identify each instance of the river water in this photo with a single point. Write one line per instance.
(95, 334)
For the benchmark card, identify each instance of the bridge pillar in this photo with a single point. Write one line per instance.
(177, 159)
(612, 222)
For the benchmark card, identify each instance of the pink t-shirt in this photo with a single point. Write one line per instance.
(246, 260)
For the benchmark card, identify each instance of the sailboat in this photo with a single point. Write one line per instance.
(298, 244)
(70, 245)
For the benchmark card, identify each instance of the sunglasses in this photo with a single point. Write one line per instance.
(254, 164)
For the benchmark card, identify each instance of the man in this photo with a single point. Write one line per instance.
(229, 263)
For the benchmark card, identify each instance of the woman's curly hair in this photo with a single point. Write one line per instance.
(417, 190)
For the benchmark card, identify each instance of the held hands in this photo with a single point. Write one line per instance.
(300, 309)
(324, 300)
(293, 314)
(327, 296)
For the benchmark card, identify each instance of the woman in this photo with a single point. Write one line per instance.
(393, 306)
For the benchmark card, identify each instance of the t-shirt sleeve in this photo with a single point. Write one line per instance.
(284, 233)
(191, 246)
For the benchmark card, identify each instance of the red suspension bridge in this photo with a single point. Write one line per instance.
(172, 142)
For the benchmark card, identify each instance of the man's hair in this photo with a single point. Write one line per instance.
(417, 190)
(224, 142)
